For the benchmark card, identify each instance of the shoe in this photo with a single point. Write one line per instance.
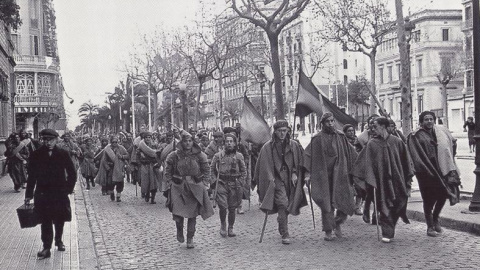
(338, 231)
(223, 230)
(329, 236)
(118, 199)
(93, 184)
(374, 220)
(88, 188)
(231, 233)
(147, 197)
(286, 239)
(60, 246)
(386, 240)
(45, 253)
(23, 186)
(358, 211)
(366, 217)
(112, 196)
(17, 191)
(431, 232)
(180, 237)
(437, 227)
(153, 202)
(240, 210)
(190, 243)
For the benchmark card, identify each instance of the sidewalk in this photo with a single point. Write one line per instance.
(19, 247)
(455, 217)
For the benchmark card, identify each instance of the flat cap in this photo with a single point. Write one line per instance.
(48, 133)
(218, 134)
(280, 124)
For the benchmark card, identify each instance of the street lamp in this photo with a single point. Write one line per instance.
(464, 93)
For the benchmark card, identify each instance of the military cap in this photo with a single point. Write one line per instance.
(48, 133)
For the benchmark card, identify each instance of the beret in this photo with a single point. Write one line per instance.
(48, 133)
(231, 136)
(325, 116)
(218, 134)
(280, 124)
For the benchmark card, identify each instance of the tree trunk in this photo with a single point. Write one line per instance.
(270, 97)
(183, 97)
(220, 93)
(277, 76)
(373, 105)
(201, 80)
(445, 105)
(155, 110)
(405, 80)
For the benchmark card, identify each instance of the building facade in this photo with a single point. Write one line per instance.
(39, 88)
(436, 42)
(7, 83)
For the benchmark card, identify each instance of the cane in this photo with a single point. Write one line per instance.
(216, 188)
(264, 225)
(136, 190)
(311, 204)
(376, 211)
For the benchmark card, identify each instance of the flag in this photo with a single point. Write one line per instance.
(254, 128)
(308, 97)
(341, 118)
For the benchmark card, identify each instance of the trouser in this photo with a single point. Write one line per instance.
(330, 220)
(89, 179)
(118, 186)
(281, 202)
(434, 199)
(388, 222)
(104, 189)
(369, 198)
(191, 223)
(47, 232)
(231, 216)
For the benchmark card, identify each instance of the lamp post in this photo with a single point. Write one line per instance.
(409, 26)
(475, 202)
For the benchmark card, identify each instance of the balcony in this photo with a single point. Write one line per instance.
(34, 62)
(48, 100)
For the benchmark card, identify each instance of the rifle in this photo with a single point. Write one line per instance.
(381, 110)
(216, 188)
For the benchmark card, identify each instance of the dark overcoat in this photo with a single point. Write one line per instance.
(53, 178)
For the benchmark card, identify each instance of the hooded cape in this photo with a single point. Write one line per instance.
(341, 197)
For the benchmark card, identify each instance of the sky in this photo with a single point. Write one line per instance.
(95, 38)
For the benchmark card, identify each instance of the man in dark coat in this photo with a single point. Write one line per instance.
(384, 164)
(328, 158)
(52, 175)
(279, 176)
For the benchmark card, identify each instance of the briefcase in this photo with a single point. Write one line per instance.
(27, 216)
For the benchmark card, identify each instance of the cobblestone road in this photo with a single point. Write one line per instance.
(133, 234)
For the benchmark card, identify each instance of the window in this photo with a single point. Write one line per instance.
(419, 68)
(345, 64)
(390, 74)
(345, 79)
(420, 104)
(468, 13)
(445, 34)
(25, 84)
(15, 41)
(399, 71)
(44, 84)
(34, 45)
(468, 44)
(380, 75)
(416, 36)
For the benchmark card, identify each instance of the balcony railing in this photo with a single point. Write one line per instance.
(34, 60)
(49, 99)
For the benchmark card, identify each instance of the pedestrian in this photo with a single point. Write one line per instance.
(51, 177)
(349, 132)
(112, 168)
(385, 165)
(17, 155)
(87, 166)
(186, 172)
(431, 148)
(127, 143)
(230, 168)
(215, 146)
(72, 148)
(148, 167)
(279, 176)
(102, 181)
(328, 160)
(470, 127)
(392, 129)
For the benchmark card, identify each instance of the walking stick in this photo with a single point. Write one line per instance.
(136, 191)
(311, 204)
(376, 211)
(216, 188)
(264, 225)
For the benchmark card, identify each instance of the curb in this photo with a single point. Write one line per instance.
(449, 223)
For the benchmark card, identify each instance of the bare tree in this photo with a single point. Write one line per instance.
(272, 17)
(359, 25)
(451, 66)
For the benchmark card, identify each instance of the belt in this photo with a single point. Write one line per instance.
(228, 178)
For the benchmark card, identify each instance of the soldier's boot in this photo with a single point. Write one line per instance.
(430, 229)
(191, 232)
(152, 198)
(223, 224)
(112, 195)
(147, 196)
(231, 222)
(93, 182)
(88, 185)
(180, 237)
(358, 206)
(240, 210)
(119, 194)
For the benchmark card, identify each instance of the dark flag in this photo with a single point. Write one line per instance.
(254, 127)
(308, 97)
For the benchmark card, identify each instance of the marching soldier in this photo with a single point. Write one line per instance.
(229, 166)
